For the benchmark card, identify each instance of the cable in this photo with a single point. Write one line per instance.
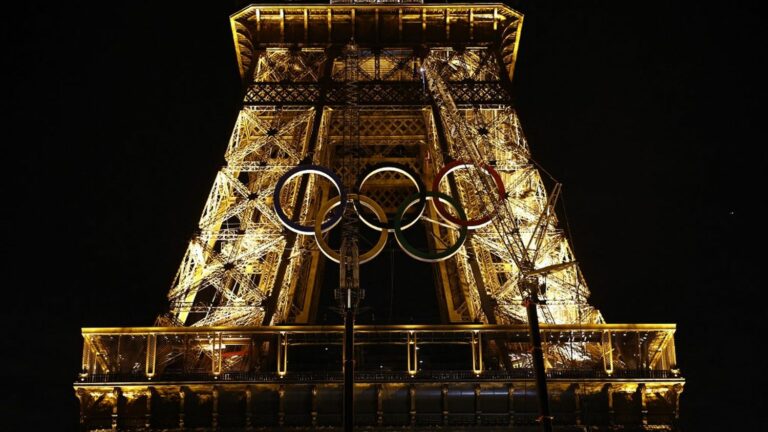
(567, 224)
(541, 168)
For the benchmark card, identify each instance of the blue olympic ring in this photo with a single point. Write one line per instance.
(310, 169)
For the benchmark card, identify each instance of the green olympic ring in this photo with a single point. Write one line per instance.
(426, 256)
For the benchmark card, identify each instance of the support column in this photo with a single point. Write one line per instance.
(477, 352)
(291, 238)
(444, 397)
(216, 348)
(642, 404)
(314, 406)
(607, 346)
(447, 26)
(676, 391)
(281, 406)
(609, 404)
(117, 393)
(511, 403)
(412, 401)
(149, 369)
(86, 359)
(82, 396)
(412, 356)
(672, 353)
(248, 408)
(215, 408)
(478, 411)
(148, 412)
(379, 405)
(471, 23)
(282, 353)
(182, 397)
(577, 403)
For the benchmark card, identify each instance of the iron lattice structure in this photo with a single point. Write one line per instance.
(420, 106)
(350, 85)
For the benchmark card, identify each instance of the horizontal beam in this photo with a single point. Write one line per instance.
(363, 377)
(372, 93)
(485, 328)
(501, 7)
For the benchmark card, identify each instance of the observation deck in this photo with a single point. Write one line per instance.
(290, 377)
(390, 24)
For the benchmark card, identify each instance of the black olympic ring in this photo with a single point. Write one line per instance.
(400, 169)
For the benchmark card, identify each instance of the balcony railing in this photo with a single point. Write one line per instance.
(383, 353)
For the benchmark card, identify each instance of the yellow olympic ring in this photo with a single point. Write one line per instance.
(331, 254)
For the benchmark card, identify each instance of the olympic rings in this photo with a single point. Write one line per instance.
(295, 172)
(336, 206)
(425, 256)
(400, 169)
(364, 201)
(462, 221)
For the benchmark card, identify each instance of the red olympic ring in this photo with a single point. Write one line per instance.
(469, 223)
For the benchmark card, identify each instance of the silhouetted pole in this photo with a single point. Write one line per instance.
(531, 303)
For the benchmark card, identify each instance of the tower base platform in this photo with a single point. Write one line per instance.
(415, 377)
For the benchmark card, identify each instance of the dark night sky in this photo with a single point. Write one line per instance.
(119, 115)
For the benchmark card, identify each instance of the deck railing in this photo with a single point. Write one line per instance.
(384, 353)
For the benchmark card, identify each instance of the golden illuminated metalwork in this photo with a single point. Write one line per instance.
(419, 107)
(431, 85)
(195, 361)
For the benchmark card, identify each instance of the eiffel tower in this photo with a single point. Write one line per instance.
(373, 132)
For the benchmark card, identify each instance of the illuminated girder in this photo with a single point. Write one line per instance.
(418, 106)
(524, 228)
(230, 265)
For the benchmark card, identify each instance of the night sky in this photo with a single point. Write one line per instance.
(119, 114)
